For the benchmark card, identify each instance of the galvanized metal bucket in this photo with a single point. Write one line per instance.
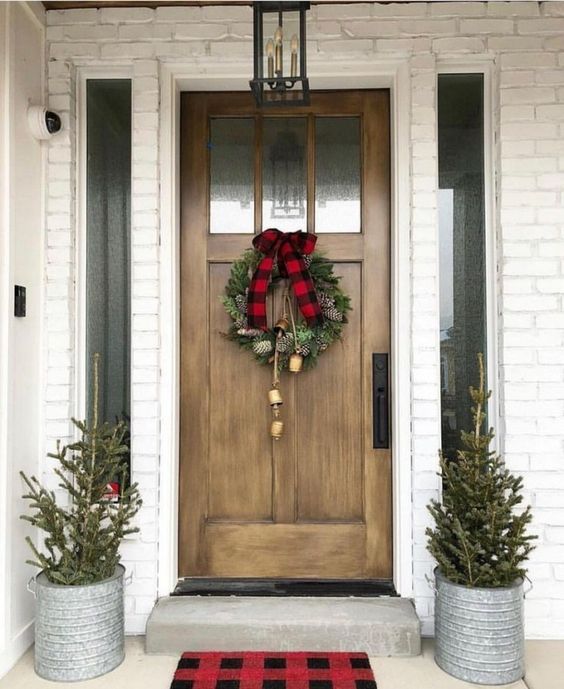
(79, 630)
(479, 634)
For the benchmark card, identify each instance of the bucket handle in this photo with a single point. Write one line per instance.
(530, 587)
(128, 579)
(32, 586)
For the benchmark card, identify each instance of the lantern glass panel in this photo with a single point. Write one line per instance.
(290, 43)
(284, 170)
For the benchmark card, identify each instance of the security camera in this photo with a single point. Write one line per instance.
(43, 123)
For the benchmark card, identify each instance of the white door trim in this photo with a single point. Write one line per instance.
(178, 77)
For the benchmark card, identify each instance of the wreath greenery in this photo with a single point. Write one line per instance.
(311, 341)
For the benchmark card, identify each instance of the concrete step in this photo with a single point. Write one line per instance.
(378, 626)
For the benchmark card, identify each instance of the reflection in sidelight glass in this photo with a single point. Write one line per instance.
(462, 246)
(108, 258)
(337, 174)
(232, 175)
(284, 164)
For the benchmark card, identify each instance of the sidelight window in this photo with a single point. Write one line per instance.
(462, 259)
(108, 259)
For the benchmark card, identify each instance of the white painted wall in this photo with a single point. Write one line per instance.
(21, 262)
(522, 45)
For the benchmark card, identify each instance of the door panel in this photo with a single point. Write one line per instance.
(236, 494)
(316, 504)
(328, 442)
(309, 551)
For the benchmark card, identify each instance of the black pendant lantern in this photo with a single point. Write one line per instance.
(280, 53)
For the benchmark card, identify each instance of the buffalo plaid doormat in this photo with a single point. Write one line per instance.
(258, 670)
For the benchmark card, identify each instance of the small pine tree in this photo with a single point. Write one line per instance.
(479, 538)
(83, 538)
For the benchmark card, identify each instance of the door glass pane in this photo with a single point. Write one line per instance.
(108, 239)
(232, 176)
(337, 174)
(462, 247)
(284, 160)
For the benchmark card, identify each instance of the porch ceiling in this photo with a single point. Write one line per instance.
(74, 4)
(70, 4)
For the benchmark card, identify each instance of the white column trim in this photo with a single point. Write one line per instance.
(169, 157)
(5, 314)
(14, 642)
(402, 475)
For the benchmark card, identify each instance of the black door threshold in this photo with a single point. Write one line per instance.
(198, 586)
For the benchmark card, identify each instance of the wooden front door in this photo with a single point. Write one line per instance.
(316, 504)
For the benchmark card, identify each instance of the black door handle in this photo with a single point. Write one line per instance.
(380, 402)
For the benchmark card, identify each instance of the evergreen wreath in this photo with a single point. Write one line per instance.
(311, 342)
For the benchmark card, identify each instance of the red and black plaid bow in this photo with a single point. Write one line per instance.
(287, 249)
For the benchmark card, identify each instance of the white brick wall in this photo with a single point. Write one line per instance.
(524, 43)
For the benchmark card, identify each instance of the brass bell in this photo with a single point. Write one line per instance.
(274, 397)
(281, 326)
(277, 429)
(296, 363)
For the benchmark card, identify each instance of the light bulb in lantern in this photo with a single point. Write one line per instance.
(294, 56)
(278, 49)
(270, 58)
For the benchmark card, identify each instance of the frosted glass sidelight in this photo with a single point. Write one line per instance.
(108, 239)
(462, 265)
(284, 166)
(232, 175)
(337, 174)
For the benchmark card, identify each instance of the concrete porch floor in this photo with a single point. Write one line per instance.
(545, 670)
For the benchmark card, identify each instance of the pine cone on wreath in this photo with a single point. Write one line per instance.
(333, 314)
(307, 260)
(241, 303)
(285, 343)
(249, 332)
(304, 350)
(325, 300)
(262, 347)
